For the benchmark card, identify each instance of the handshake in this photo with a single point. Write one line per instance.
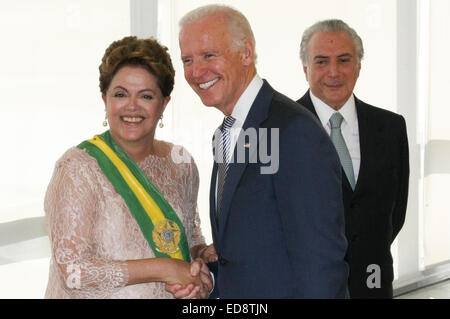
(194, 280)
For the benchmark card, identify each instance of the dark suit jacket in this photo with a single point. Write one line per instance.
(281, 235)
(375, 210)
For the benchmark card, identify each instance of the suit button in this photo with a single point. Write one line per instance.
(354, 238)
(223, 261)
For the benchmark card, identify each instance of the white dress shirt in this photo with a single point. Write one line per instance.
(242, 107)
(349, 127)
(240, 112)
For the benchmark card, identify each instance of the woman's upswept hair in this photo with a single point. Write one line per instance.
(146, 53)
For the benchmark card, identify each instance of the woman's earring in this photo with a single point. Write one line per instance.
(105, 122)
(161, 124)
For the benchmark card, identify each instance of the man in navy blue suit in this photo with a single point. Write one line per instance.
(276, 206)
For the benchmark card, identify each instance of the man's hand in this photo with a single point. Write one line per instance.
(188, 292)
(198, 269)
(209, 254)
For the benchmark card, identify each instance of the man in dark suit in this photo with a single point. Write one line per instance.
(374, 154)
(275, 203)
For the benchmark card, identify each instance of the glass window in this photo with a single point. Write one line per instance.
(437, 156)
(50, 55)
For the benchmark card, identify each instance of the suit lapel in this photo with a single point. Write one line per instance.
(257, 114)
(370, 143)
(212, 202)
(307, 103)
(364, 144)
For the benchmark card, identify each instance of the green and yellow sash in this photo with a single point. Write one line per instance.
(158, 221)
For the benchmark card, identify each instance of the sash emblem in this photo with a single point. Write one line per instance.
(166, 236)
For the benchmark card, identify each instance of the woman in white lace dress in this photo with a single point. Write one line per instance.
(102, 248)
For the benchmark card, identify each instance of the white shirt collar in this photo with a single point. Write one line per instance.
(348, 112)
(243, 105)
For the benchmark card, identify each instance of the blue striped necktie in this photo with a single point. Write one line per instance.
(223, 164)
(341, 148)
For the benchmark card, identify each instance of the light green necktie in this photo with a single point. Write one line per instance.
(341, 148)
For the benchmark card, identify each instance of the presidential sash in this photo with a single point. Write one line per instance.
(155, 216)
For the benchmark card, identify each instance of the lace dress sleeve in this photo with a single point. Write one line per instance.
(193, 182)
(70, 206)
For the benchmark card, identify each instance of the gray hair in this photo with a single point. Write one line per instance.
(238, 24)
(332, 25)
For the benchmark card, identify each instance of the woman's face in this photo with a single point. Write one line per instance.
(134, 104)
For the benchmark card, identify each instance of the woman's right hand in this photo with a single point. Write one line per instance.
(174, 273)
(167, 270)
(179, 272)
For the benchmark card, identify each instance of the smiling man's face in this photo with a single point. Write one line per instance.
(332, 67)
(213, 66)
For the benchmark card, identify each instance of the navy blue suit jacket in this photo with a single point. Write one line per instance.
(281, 235)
